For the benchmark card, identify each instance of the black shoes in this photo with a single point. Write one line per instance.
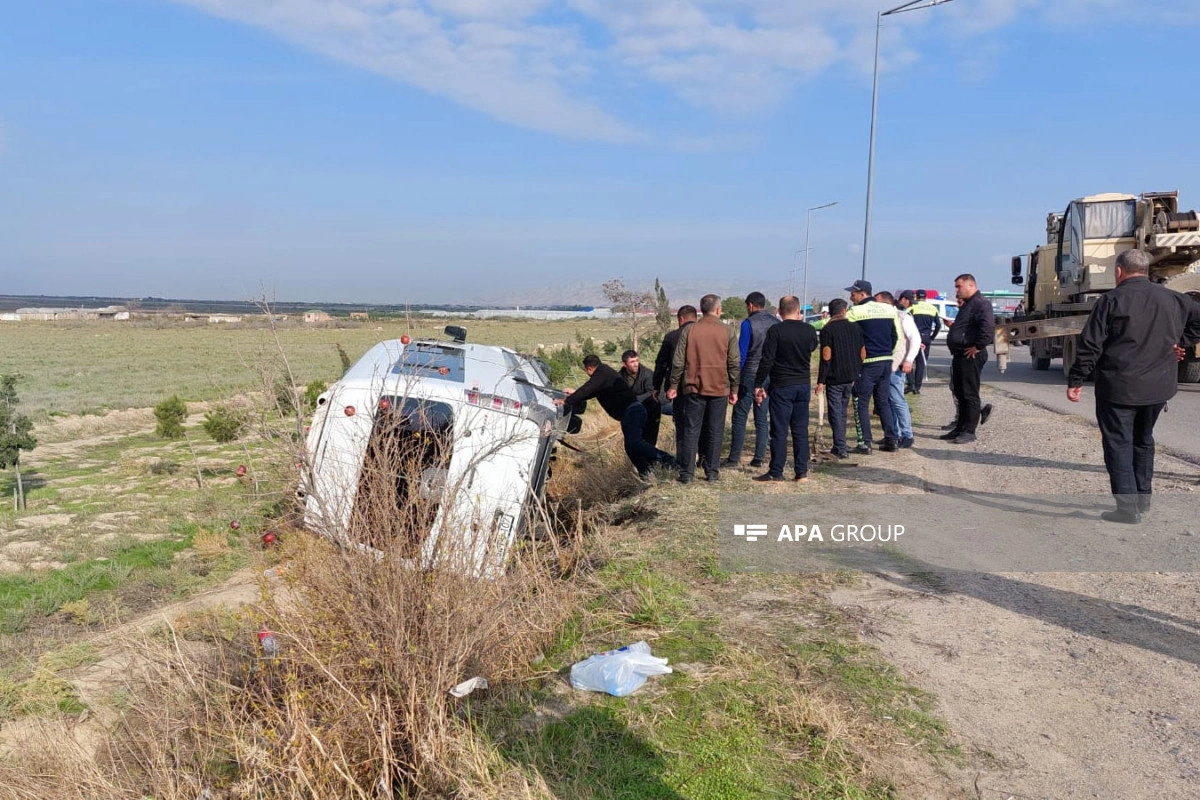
(1143, 503)
(889, 446)
(863, 449)
(800, 478)
(768, 477)
(984, 413)
(963, 438)
(951, 436)
(757, 462)
(906, 442)
(729, 462)
(1122, 515)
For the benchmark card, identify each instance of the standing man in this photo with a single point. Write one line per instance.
(880, 329)
(608, 388)
(640, 381)
(908, 350)
(685, 316)
(706, 365)
(842, 354)
(1133, 338)
(750, 345)
(973, 330)
(786, 362)
(929, 324)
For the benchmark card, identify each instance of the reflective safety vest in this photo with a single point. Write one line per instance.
(880, 326)
(928, 320)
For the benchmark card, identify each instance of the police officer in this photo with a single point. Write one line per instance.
(929, 324)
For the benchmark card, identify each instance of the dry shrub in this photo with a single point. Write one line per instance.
(356, 702)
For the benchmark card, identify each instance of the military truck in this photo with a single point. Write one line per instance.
(1063, 277)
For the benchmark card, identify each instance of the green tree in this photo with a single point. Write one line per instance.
(170, 414)
(224, 424)
(662, 308)
(734, 307)
(15, 434)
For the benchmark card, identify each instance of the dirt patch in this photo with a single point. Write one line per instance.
(44, 521)
(1057, 685)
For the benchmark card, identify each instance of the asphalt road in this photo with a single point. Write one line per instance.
(1177, 431)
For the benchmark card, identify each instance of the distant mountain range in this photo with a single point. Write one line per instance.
(563, 297)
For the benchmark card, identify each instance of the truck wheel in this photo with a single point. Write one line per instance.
(1068, 356)
(1189, 371)
(1041, 364)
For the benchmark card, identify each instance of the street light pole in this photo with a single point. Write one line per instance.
(807, 230)
(910, 6)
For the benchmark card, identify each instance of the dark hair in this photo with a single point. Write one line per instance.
(628, 354)
(788, 305)
(966, 276)
(709, 303)
(686, 312)
(756, 299)
(837, 306)
(885, 297)
(591, 361)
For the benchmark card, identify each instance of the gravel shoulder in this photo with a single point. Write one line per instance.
(1057, 685)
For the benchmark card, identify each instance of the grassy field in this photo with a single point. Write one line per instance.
(118, 524)
(89, 368)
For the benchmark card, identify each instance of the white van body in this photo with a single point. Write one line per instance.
(493, 416)
(947, 310)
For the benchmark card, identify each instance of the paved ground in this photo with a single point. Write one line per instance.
(1176, 432)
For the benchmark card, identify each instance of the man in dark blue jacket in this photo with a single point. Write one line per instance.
(751, 336)
(1133, 339)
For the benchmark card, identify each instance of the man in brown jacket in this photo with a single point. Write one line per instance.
(706, 364)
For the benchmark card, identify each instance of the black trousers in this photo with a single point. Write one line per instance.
(1127, 434)
(701, 414)
(916, 378)
(964, 383)
(653, 420)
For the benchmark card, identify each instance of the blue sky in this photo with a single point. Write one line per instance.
(473, 150)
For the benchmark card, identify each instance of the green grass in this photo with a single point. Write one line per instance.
(27, 597)
(90, 368)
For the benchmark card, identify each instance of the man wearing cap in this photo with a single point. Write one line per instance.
(929, 324)
(880, 327)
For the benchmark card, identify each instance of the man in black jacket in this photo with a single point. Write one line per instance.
(609, 390)
(968, 338)
(1132, 341)
(842, 354)
(640, 381)
(685, 316)
(787, 362)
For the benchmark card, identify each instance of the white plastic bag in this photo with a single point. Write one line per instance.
(618, 672)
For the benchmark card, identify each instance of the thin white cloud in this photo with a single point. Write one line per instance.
(544, 64)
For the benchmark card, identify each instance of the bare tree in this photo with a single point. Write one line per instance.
(634, 306)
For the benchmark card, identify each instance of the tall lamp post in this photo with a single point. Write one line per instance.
(807, 230)
(913, 5)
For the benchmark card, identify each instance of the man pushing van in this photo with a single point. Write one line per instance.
(609, 389)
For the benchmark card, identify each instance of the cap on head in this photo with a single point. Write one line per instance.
(860, 286)
(907, 294)
(921, 294)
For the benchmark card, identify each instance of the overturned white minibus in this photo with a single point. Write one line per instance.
(433, 451)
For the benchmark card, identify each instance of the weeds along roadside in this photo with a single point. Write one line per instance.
(356, 703)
